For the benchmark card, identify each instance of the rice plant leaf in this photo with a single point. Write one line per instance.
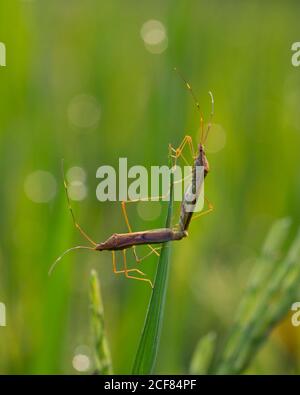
(270, 303)
(264, 266)
(148, 346)
(203, 354)
(103, 363)
(276, 237)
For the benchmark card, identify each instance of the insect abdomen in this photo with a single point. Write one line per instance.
(120, 241)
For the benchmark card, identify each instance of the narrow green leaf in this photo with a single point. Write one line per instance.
(264, 267)
(276, 237)
(276, 294)
(101, 350)
(148, 347)
(203, 354)
(262, 271)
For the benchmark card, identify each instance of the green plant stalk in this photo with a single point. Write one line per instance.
(203, 354)
(276, 297)
(102, 355)
(262, 270)
(264, 266)
(148, 346)
(289, 280)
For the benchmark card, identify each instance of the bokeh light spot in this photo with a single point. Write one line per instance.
(84, 111)
(149, 211)
(77, 190)
(40, 186)
(81, 362)
(76, 173)
(154, 35)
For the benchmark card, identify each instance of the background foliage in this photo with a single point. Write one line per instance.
(61, 49)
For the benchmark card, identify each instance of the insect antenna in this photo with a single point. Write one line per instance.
(210, 117)
(52, 267)
(190, 89)
(76, 224)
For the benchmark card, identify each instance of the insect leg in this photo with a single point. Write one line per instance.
(208, 210)
(116, 271)
(153, 250)
(178, 152)
(133, 277)
(124, 210)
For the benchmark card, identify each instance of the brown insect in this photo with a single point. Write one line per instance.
(124, 241)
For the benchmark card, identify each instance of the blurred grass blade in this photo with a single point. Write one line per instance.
(262, 270)
(280, 294)
(264, 266)
(276, 237)
(101, 350)
(276, 294)
(149, 342)
(203, 354)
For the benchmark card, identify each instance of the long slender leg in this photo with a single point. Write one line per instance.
(177, 152)
(124, 210)
(149, 253)
(153, 250)
(175, 156)
(133, 277)
(125, 214)
(76, 224)
(208, 210)
(186, 140)
(116, 271)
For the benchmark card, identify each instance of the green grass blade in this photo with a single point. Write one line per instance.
(263, 268)
(276, 295)
(149, 342)
(103, 363)
(203, 354)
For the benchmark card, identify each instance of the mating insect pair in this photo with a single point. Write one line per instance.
(124, 241)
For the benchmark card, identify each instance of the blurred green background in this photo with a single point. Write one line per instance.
(91, 81)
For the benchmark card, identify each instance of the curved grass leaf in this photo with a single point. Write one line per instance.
(203, 354)
(149, 342)
(265, 307)
(101, 350)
